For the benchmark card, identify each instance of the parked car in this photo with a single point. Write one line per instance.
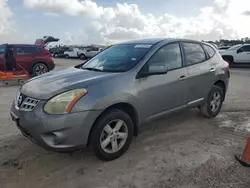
(105, 101)
(71, 53)
(59, 52)
(89, 52)
(223, 48)
(33, 58)
(238, 54)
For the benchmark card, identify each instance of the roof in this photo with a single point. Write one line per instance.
(144, 41)
(153, 41)
(23, 45)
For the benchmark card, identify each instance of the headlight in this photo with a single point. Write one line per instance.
(64, 102)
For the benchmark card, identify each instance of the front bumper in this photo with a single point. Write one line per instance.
(55, 132)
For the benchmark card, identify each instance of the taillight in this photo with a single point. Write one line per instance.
(227, 64)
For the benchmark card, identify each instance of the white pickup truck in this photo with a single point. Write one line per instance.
(88, 52)
(73, 52)
(237, 54)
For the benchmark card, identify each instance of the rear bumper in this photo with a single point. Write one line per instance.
(51, 65)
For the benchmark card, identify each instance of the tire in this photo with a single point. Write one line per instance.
(6, 83)
(55, 54)
(21, 81)
(67, 56)
(39, 68)
(208, 109)
(82, 56)
(98, 135)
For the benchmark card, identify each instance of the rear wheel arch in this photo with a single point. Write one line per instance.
(82, 55)
(125, 107)
(222, 85)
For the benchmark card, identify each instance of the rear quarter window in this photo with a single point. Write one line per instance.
(209, 50)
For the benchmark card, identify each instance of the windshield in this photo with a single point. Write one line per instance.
(235, 47)
(118, 58)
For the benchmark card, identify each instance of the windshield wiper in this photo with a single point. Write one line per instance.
(92, 69)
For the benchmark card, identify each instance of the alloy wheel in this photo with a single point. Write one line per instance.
(114, 136)
(215, 101)
(40, 69)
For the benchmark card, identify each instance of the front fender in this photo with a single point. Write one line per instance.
(87, 104)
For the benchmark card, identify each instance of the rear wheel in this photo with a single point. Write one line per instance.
(40, 68)
(213, 105)
(112, 135)
(82, 56)
(67, 56)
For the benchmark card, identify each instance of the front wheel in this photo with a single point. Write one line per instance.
(112, 135)
(67, 56)
(213, 105)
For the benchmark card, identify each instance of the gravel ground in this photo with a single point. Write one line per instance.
(181, 151)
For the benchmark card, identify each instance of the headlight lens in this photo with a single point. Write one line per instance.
(63, 103)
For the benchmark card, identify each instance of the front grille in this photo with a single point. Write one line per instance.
(26, 103)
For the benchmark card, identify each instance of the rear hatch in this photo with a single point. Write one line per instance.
(46, 40)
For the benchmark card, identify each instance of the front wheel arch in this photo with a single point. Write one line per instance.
(125, 107)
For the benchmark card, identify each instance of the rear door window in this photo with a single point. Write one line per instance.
(25, 50)
(194, 53)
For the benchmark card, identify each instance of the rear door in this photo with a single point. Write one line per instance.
(201, 70)
(25, 55)
(3, 48)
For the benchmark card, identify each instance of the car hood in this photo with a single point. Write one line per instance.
(55, 82)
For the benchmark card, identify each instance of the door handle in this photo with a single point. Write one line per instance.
(212, 69)
(182, 78)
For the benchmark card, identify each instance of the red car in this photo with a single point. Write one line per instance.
(33, 58)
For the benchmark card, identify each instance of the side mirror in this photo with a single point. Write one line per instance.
(153, 70)
(239, 50)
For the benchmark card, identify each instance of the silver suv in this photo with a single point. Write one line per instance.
(104, 102)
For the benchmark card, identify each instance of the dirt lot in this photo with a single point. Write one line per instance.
(181, 151)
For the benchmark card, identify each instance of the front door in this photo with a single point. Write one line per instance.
(243, 54)
(160, 93)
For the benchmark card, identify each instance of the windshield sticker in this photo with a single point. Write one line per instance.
(143, 46)
(133, 59)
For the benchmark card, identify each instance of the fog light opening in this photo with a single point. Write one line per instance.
(57, 138)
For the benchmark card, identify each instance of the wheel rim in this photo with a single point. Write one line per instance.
(40, 69)
(114, 136)
(215, 102)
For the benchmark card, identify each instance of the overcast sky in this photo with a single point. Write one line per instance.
(110, 21)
